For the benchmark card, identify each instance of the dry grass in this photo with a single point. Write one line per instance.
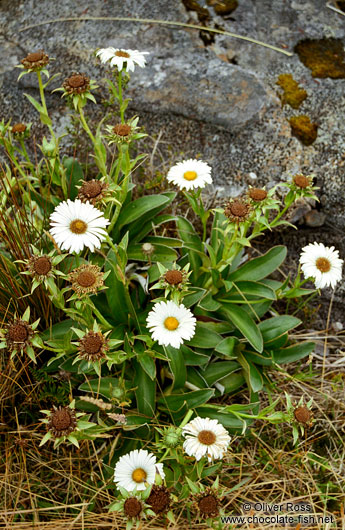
(67, 488)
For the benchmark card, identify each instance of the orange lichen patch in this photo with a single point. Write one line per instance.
(303, 129)
(292, 94)
(223, 7)
(324, 57)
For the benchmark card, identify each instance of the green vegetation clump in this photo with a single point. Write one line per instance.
(292, 94)
(324, 57)
(304, 129)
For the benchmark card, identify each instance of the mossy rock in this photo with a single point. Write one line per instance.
(304, 129)
(324, 57)
(292, 94)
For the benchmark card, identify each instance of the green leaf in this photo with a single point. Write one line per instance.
(232, 382)
(138, 208)
(192, 242)
(230, 422)
(258, 268)
(204, 338)
(226, 346)
(104, 386)
(192, 358)
(293, 353)
(145, 392)
(35, 103)
(115, 294)
(208, 303)
(251, 373)
(175, 402)
(255, 289)
(246, 325)
(177, 365)
(161, 253)
(148, 364)
(58, 331)
(193, 297)
(74, 174)
(45, 119)
(218, 370)
(274, 327)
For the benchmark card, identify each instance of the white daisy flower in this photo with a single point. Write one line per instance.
(123, 59)
(137, 469)
(171, 324)
(321, 263)
(190, 174)
(205, 437)
(76, 225)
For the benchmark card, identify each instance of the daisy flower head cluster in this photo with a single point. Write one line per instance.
(205, 437)
(190, 174)
(136, 470)
(76, 225)
(171, 324)
(321, 263)
(122, 59)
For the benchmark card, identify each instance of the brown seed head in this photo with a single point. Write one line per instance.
(173, 277)
(42, 265)
(86, 279)
(206, 437)
(238, 209)
(302, 414)
(18, 128)
(301, 181)
(93, 343)
(208, 505)
(61, 419)
(35, 56)
(76, 83)
(132, 507)
(257, 194)
(91, 189)
(122, 129)
(159, 499)
(17, 333)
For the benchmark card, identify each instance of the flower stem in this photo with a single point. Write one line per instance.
(122, 113)
(99, 155)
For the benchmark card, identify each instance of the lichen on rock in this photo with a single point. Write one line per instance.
(324, 57)
(292, 94)
(304, 129)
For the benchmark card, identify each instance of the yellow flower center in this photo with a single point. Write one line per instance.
(78, 226)
(171, 323)
(139, 475)
(190, 175)
(323, 264)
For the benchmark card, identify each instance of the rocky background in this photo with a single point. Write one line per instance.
(204, 93)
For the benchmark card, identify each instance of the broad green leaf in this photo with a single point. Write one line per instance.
(251, 373)
(245, 325)
(232, 382)
(145, 392)
(193, 297)
(255, 289)
(177, 365)
(218, 370)
(208, 303)
(192, 358)
(148, 364)
(58, 331)
(195, 378)
(226, 346)
(175, 402)
(204, 338)
(138, 208)
(274, 327)
(293, 353)
(258, 268)
(115, 294)
(166, 241)
(230, 422)
(74, 175)
(104, 386)
(161, 253)
(191, 239)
